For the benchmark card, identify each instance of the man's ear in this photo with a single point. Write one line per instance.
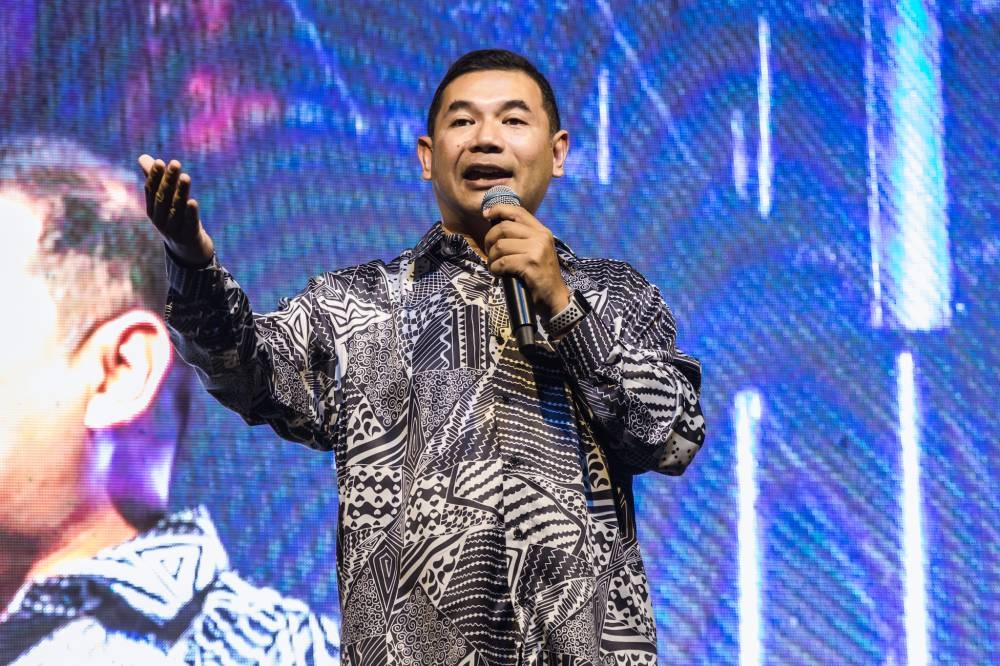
(425, 151)
(560, 150)
(135, 354)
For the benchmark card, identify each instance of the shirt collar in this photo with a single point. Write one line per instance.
(157, 573)
(443, 245)
(438, 243)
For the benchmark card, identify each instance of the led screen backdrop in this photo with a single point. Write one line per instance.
(814, 186)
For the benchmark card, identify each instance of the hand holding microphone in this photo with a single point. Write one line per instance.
(522, 251)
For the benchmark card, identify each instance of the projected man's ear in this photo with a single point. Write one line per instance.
(130, 355)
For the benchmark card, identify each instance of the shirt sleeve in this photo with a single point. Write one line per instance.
(281, 368)
(640, 392)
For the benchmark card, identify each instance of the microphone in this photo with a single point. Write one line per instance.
(519, 306)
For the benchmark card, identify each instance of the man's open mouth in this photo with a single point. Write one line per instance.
(486, 173)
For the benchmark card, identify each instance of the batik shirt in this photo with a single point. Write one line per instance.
(485, 511)
(166, 597)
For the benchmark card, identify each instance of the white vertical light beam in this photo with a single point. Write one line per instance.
(741, 169)
(765, 165)
(874, 206)
(914, 566)
(603, 128)
(748, 413)
(908, 193)
(920, 194)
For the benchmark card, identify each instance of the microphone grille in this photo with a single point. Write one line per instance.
(500, 195)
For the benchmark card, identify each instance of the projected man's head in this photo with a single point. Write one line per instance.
(91, 408)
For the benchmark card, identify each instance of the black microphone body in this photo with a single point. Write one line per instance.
(519, 306)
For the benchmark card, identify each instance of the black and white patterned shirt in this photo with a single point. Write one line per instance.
(484, 496)
(164, 597)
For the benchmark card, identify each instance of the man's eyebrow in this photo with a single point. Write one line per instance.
(515, 104)
(465, 105)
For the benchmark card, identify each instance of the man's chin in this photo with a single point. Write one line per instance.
(467, 220)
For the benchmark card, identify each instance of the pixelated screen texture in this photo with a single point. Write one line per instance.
(813, 186)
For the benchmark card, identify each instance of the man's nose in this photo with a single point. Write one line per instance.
(488, 138)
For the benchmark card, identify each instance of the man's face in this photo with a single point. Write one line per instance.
(42, 386)
(491, 130)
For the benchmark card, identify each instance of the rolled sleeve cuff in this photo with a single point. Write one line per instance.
(194, 283)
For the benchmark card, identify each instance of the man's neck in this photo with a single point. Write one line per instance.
(472, 231)
(23, 561)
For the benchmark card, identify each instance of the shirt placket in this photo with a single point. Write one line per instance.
(503, 409)
(499, 337)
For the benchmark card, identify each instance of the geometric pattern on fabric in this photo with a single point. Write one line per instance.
(166, 596)
(466, 500)
(373, 493)
(378, 370)
(576, 636)
(485, 493)
(364, 616)
(478, 599)
(438, 392)
(420, 635)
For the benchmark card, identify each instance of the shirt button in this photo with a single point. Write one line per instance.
(514, 461)
(518, 534)
(505, 399)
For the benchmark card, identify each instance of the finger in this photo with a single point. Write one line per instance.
(495, 233)
(502, 212)
(177, 218)
(153, 177)
(510, 264)
(190, 220)
(499, 212)
(165, 194)
(512, 229)
(193, 214)
(506, 247)
(145, 163)
(505, 229)
(525, 254)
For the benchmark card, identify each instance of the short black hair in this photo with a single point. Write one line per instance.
(98, 253)
(95, 239)
(495, 59)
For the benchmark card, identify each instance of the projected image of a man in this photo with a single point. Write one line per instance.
(93, 566)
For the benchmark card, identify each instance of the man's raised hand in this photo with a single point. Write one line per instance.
(173, 213)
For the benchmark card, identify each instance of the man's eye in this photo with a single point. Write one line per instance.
(461, 122)
(515, 121)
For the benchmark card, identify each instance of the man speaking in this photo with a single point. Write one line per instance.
(485, 500)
